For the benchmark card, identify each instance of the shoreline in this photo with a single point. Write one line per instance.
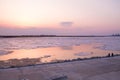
(64, 61)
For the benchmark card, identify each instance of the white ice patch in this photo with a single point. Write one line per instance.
(110, 43)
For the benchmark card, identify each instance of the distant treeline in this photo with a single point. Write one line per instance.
(116, 35)
(15, 36)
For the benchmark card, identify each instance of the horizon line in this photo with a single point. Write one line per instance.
(10, 36)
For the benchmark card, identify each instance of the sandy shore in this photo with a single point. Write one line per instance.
(94, 69)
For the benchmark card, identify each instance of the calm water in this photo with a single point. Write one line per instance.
(57, 48)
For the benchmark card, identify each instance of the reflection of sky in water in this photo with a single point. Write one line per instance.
(59, 53)
(4, 52)
(67, 47)
(83, 53)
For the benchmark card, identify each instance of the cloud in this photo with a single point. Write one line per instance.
(66, 24)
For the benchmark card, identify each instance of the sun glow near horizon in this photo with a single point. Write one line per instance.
(85, 14)
(25, 13)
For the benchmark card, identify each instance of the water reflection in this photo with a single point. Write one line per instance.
(59, 53)
(4, 52)
(67, 47)
(83, 53)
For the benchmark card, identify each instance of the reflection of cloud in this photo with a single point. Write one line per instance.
(66, 24)
(46, 56)
(66, 47)
(2, 52)
(82, 54)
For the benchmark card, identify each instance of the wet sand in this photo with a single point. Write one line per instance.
(94, 69)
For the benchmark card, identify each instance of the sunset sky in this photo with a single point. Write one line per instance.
(66, 17)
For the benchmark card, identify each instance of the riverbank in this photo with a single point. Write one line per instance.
(92, 69)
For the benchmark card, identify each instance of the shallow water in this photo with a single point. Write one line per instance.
(58, 48)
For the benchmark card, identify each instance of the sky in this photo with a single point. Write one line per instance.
(61, 17)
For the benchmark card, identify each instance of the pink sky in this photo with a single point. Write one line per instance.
(46, 16)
